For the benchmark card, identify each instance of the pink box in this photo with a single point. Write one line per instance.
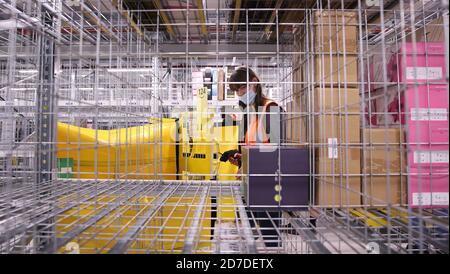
(426, 116)
(427, 156)
(430, 116)
(428, 188)
(426, 63)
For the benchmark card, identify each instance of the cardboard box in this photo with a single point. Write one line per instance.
(435, 32)
(288, 122)
(336, 31)
(336, 70)
(336, 100)
(378, 191)
(344, 129)
(303, 138)
(338, 192)
(383, 144)
(295, 129)
(337, 161)
(299, 119)
(383, 159)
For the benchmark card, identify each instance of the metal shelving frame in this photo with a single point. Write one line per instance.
(94, 62)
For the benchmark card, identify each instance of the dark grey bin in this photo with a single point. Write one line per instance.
(262, 186)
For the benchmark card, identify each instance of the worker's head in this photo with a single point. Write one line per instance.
(245, 83)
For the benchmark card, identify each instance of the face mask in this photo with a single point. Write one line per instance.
(248, 98)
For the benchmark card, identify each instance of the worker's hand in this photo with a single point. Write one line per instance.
(239, 175)
(235, 159)
(231, 155)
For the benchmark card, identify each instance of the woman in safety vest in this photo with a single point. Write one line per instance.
(257, 116)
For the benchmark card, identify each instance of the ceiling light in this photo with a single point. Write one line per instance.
(22, 89)
(90, 88)
(28, 71)
(129, 70)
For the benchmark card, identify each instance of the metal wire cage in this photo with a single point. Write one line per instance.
(108, 145)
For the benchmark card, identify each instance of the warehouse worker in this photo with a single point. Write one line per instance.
(253, 102)
(259, 114)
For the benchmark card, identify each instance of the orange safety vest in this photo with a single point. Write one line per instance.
(256, 132)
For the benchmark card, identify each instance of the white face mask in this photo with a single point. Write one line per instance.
(248, 98)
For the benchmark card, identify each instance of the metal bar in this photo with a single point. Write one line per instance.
(429, 238)
(165, 19)
(311, 239)
(245, 224)
(123, 243)
(193, 228)
(201, 15)
(272, 18)
(237, 11)
(356, 231)
(130, 20)
(60, 241)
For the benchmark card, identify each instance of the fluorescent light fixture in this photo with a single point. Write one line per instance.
(28, 71)
(144, 88)
(90, 88)
(129, 70)
(22, 89)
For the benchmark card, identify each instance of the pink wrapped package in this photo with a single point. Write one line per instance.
(427, 156)
(428, 188)
(426, 63)
(426, 114)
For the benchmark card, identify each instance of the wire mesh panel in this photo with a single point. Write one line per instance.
(126, 128)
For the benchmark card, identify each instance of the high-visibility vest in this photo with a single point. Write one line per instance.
(256, 132)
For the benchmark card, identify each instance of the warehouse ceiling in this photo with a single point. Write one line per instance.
(210, 21)
(232, 17)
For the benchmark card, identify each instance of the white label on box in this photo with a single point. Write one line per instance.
(332, 148)
(429, 114)
(430, 198)
(66, 170)
(431, 157)
(423, 73)
(372, 3)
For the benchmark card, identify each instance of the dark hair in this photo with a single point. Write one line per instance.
(239, 78)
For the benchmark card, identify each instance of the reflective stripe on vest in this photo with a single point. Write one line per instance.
(256, 132)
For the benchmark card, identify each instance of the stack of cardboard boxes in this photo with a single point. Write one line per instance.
(328, 95)
(370, 164)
